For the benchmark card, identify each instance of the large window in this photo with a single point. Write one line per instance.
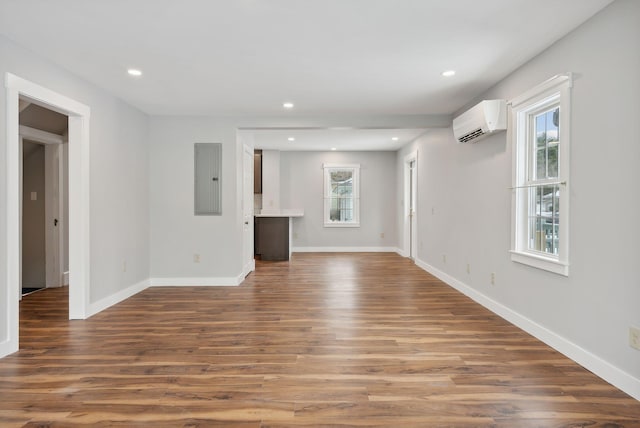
(540, 136)
(341, 195)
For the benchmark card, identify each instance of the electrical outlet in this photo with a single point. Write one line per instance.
(295, 235)
(468, 268)
(444, 258)
(382, 235)
(196, 258)
(433, 211)
(634, 337)
(493, 278)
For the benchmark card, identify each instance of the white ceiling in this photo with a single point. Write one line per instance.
(329, 57)
(326, 139)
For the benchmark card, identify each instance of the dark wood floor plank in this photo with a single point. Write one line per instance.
(347, 340)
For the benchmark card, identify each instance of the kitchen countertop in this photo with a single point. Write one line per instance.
(280, 213)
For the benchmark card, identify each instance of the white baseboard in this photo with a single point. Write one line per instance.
(65, 278)
(595, 364)
(401, 252)
(197, 282)
(39, 285)
(8, 347)
(249, 267)
(344, 249)
(118, 297)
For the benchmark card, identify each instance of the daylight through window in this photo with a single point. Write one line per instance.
(540, 135)
(341, 195)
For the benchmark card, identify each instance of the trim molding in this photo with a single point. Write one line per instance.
(197, 282)
(249, 267)
(79, 201)
(401, 252)
(118, 297)
(122, 295)
(7, 347)
(39, 136)
(344, 250)
(65, 278)
(618, 378)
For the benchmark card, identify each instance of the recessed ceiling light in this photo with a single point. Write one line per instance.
(333, 148)
(134, 72)
(287, 105)
(449, 73)
(291, 139)
(394, 138)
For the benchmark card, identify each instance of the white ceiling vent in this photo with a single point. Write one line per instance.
(484, 119)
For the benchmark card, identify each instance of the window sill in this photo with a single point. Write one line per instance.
(342, 225)
(540, 262)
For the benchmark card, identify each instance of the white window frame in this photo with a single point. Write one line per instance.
(555, 91)
(355, 170)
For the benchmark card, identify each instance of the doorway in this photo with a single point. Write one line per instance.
(33, 264)
(79, 232)
(44, 200)
(248, 261)
(410, 205)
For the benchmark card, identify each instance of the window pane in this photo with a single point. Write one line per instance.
(541, 164)
(552, 121)
(552, 171)
(544, 219)
(341, 196)
(341, 209)
(541, 139)
(536, 234)
(546, 144)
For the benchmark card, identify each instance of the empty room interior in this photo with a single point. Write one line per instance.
(320, 213)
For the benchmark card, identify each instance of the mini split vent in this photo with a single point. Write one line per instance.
(471, 135)
(480, 121)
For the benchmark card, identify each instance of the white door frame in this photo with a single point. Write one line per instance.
(20, 193)
(248, 260)
(54, 201)
(79, 192)
(410, 220)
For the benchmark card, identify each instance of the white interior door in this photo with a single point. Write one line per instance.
(247, 211)
(413, 235)
(53, 214)
(410, 205)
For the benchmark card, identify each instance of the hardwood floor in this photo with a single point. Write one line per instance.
(322, 340)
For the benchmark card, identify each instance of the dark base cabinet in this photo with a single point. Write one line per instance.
(272, 238)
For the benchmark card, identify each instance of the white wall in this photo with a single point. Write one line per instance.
(119, 218)
(271, 180)
(467, 186)
(176, 233)
(302, 187)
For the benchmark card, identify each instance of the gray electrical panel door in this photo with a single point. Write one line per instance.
(208, 178)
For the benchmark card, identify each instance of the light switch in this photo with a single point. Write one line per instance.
(34, 196)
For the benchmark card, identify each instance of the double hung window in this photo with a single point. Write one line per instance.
(540, 135)
(341, 195)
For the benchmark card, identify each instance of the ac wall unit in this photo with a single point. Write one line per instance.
(484, 119)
